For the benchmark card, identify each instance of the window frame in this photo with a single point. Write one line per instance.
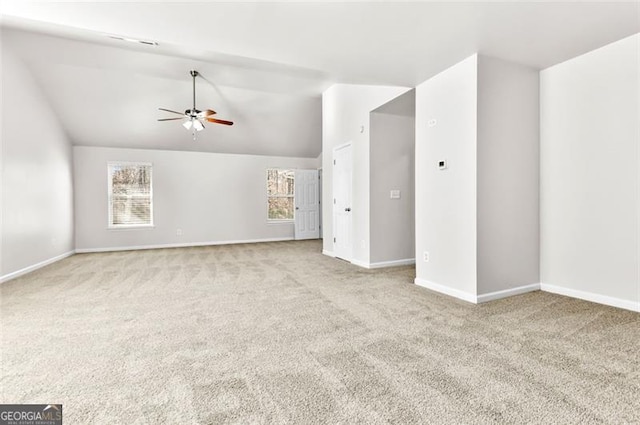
(292, 196)
(110, 224)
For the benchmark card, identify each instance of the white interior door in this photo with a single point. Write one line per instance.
(342, 172)
(307, 205)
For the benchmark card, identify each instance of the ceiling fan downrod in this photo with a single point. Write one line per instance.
(193, 111)
(194, 74)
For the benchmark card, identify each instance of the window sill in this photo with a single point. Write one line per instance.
(279, 221)
(134, 227)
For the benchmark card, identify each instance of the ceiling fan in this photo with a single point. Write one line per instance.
(194, 118)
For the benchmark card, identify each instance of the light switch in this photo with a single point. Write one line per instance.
(394, 194)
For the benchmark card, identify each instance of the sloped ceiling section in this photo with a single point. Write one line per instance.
(382, 42)
(265, 64)
(108, 94)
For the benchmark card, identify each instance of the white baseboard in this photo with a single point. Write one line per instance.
(178, 245)
(590, 296)
(34, 267)
(476, 299)
(382, 264)
(491, 296)
(360, 263)
(465, 296)
(328, 253)
(574, 293)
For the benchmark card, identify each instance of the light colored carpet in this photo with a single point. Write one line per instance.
(278, 333)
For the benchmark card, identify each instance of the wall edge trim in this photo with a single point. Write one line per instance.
(496, 295)
(465, 296)
(383, 264)
(178, 245)
(592, 297)
(9, 276)
(362, 264)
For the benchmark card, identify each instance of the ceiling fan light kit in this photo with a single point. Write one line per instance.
(194, 117)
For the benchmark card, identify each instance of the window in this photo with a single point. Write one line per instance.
(130, 195)
(280, 194)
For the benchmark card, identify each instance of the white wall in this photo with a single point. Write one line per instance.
(37, 193)
(479, 218)
(590, 164)
(507, 175)
(392, 168)
(345, 111)
(211, 197)
(446, 199)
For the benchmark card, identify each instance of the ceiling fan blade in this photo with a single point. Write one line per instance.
(173, 112)
(206, 113)
(170, 119)
(219, 121)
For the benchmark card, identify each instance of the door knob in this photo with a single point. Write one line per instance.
(297, 208)
(347, 209)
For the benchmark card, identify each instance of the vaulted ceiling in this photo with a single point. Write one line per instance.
(265, 65)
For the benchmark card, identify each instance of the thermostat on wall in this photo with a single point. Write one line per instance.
(442, 164)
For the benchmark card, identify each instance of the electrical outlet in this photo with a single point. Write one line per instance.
(425, 256)
(178, 232)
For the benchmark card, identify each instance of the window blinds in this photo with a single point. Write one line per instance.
(130, 195)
